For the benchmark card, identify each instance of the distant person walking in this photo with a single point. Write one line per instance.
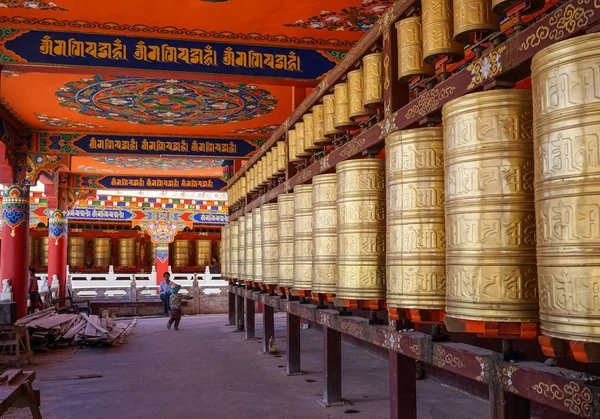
(175, 303)
(165, 291)
(35, 300)
(215, 268)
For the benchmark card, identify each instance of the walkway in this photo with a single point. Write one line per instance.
(207, 371)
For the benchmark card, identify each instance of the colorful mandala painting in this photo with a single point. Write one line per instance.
(352, 19)
(160, 163)
(25, 4)
(265, 129)
(55, 121)
(167, 102)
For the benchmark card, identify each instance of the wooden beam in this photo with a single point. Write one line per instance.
(293, 343)
(332, 367)
(250, 319)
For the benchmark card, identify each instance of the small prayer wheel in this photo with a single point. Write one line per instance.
(303, 228)
(324, 267)
(319, 126)
(249, 256)
(270, 170)
(285, 204)
(329, 129)
(356, 109)
(274, 163)
(292, 146)
(233, 252)
(341, 107)
(242, 248)
(373, 80)
(410, 50)
(281, 160)
(257, 244)
(270, 243)
(473, 16)
(309, 132)
(438, 32)
(300, 144)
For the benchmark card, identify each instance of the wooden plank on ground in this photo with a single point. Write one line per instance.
(93, 321)
(24, 320)
(52, 321)
(75, 329)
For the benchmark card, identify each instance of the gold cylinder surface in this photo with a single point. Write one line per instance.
(180, 256)
(490, 222)
(102, 251)
(224, 250)
(270, 243)
(292, 152)
(410, 49)
(415, 247)
(341, 106)
(233, 252)
(373, 80)
(257, 243)
(319, 125)
(203, 253)
(438, 31)
(309, 132)
(242, 248)
(34, 251)
(566, 130)
(218, 251)
(151, 253)
(303, 227)
(269, 165)
(44, 251)
(249, 257)
(356, 107)
(361, 229)
(286, 239)
(473, 16)
(125, 251)
(301, 150)
(324, 262)
(329, 129)
(281, 160)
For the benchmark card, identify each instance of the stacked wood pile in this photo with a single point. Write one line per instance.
(49, 329)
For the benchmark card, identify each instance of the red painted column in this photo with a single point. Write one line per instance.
(57, 248)
(161, 261)
(15, 243)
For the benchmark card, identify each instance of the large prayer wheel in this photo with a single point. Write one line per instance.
(269, 220)
(181, 250)
(341, 118)
(44, 251)
(410, 49)
(303, 228)
(152, 253)
(356, 108)
(249, 248)
(490, 219)
(203, 252)
(324, 270)
(567, 186)
(319, 125)
(125, 251)
(102, 251)
(286, 239)
(438, 32)
(257, 243)
(361, 229)
(34, 250)
(329, 129)
(241, 248)
(473, 16)
(373, 80)
(233, 252)
(415, 248)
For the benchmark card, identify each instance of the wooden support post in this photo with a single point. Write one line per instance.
(268, 326)
(505, 405)
(403, 387)
(231, 309)
(395, 94)
(293, 341)
(250, 335)
(239, 314)
(332, 368)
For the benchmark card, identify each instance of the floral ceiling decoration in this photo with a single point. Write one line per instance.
(352, 19)
(55, 121)
(169, 102)
(160, 163)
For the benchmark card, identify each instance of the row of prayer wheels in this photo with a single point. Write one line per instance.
(492, 218)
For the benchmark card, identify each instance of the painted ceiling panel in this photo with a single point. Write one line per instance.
(147, 166)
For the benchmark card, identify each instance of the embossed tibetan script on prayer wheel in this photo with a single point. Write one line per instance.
(341, 107)
(415, 248)
(309, 132)
(361, 229)
(319, 126)
(292, 146)
(490, 222)
(303, 228)
(373, 80)
(324, 273)
(203, 251)
(233, 254)
(329, 129)
(567, 187)
(286, 239)
(126, 251)
(249, 248)
(242, 248)
(473, 17)
(257, 243)
(270, 243)
(356, 108)
(438, 32)
(410, 50)
(281, 157)
(300, 144)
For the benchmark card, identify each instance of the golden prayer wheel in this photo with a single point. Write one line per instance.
(292, 146)
(257, 243)
(490, 220)
(501, 7)
(473, 16)
(125, 251)
(324, 268)
(372, 80)
(286, 239)
(181, 253)
(34, 251)
(281, 161)
(566, 123)
(270, 243)
(102, 251)
(223, 255)
(219, 251)
(203, 253)
(44, 251)
(151, 253)
(269, 171)
(309, 132)
(438, 32)
(341, 118)
(242, 248)
(410, 50)
(361, 229)
(249, 247)
(329, 129)
(301, 150)
(319, 126)
(356, 107)
(415, 247)
(275, 163)
(303, 237)
(233, 250)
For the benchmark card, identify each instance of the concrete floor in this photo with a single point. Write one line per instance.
(205, 370)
